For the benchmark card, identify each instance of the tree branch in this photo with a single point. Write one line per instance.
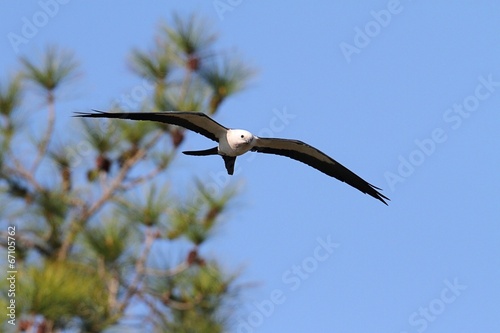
(140, 268)
(21, 171)
(108, 193)
(170, 272)
(44, 144)
(139, 180)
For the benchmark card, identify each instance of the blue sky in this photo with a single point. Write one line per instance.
(404, 93)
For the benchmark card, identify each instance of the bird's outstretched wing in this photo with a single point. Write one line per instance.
(309, 155)
(195, 121)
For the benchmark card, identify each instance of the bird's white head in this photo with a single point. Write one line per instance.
(240, 140)
(240, 137)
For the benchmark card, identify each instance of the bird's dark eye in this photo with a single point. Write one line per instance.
(242, 136)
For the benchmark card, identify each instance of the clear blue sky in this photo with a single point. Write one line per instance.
(406, 94)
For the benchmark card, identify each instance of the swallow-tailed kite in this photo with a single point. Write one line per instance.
(235, 142)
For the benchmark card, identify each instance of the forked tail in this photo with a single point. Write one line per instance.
(228, 160)
(211, 151)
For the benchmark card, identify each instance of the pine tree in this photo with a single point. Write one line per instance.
(98, 231)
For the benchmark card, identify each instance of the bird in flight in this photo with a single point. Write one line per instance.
(235, 142)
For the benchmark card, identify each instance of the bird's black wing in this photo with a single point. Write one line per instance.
(195, 121)
(309, 155)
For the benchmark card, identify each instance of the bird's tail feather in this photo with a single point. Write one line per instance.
(211, 151)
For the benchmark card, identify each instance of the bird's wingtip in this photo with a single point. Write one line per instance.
(382, 198)
(81, 114)
(94, 113)
(375, 192)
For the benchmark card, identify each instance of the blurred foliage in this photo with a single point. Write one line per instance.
(91, 211)
(58, 66)
(64, 291)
